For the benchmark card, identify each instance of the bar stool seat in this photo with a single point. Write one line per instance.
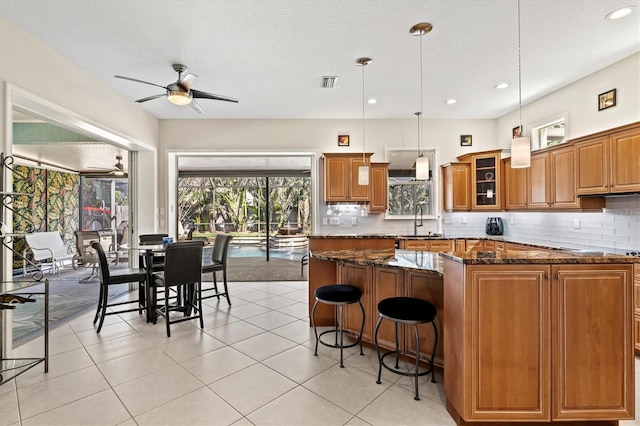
(411, 311)
(338, 295)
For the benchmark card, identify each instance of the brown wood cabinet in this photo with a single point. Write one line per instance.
(426, 287)
(387, 282)
(359, 276)
(323, 272)
(456, 181)
(473, 245)
(461, 245)
(609, 162)
(552, 182)
(341, 178)
(636, 306)
(379, 187)
(428, 245)
(563, 355)
(516, 184)
(486, 180)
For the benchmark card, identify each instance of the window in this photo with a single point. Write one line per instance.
(548, 134)
(405, 193)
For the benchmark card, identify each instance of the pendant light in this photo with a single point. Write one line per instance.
(363, 171)
(520, 145)
(422, 162)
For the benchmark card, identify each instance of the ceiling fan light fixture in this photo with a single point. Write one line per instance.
(177, 96)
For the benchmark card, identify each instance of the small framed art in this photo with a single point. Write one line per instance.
(343, 140)
(607, 99)
(466, 140)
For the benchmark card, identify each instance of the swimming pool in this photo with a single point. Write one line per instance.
(249, 250)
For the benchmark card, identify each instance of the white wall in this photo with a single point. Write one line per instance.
(33, 68)
(580, 100)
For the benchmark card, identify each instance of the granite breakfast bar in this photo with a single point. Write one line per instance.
(526, 336)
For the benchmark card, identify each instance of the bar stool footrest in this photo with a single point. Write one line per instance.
(337, 333)
(407, 373)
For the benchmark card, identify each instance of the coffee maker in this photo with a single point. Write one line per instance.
(494, 226)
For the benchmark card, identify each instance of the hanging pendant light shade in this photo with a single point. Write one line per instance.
(363, 170)
(520, 145)
(422, 162)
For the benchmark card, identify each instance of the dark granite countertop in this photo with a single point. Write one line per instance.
(352, 236)
(425, 261)
(520, 257)
(433, 262)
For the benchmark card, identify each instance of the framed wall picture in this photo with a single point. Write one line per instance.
(343, 140)
(607, 99)
(466, 140)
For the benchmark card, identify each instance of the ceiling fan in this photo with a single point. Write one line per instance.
(117, 170)
(180, 92)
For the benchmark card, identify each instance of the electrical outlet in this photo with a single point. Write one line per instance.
(511, 220)
(576, 223)
(334, 221)
(354, 220)
(464, 219)
(324, 220)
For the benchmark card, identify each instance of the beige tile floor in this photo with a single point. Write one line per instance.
(252, 364)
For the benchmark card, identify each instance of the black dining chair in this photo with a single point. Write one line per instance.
(182, 276)
(217, 262)
(151, 239)
(110, 277)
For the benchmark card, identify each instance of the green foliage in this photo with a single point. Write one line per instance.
(239, 204)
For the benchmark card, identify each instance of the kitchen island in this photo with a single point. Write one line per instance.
(528, 336)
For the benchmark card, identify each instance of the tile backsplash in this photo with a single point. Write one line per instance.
(614, 229)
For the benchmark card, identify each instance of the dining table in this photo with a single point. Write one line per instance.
(148, 251)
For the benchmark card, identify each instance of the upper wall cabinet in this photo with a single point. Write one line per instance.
(456, 181)
(516, 183)
(609, 163)
(552, 183)
(379, 187)
(486, 176)
(341, 178)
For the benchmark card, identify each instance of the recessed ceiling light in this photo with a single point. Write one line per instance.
(620, 13)
(450, 101)
(372, 101)
(501, 85)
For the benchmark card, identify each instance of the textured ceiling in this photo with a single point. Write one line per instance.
(271, 55)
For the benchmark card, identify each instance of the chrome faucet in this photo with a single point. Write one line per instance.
(419, 206)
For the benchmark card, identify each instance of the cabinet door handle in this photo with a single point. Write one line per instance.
(546, 276)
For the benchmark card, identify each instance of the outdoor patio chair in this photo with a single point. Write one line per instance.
(86, 256)
(217, 262)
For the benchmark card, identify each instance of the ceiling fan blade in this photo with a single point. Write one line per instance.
(193, 104)
(205, 95)
(186, 81)
(150, 98)
(139, 81)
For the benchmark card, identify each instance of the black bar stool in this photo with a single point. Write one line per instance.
(413, 311)
(338, 295)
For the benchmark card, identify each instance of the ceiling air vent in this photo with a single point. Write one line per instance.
(328, 81)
